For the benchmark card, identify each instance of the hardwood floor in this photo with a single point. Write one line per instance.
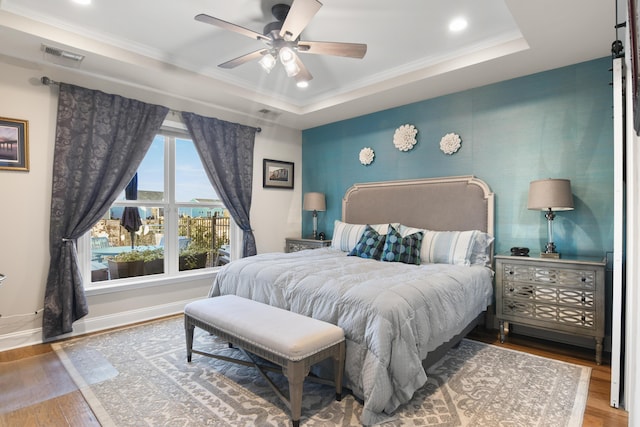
(35, 389)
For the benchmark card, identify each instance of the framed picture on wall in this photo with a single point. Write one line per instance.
(14, 144)
(277, 174)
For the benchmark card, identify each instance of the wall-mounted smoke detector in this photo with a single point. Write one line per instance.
(61, 56)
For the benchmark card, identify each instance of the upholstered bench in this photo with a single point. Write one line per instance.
(290, 340)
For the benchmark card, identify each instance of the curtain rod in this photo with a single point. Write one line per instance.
(48, 82)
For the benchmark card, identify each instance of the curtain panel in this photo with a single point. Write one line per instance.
(226, 151)
(100, 141)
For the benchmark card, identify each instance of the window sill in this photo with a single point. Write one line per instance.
(149, 281)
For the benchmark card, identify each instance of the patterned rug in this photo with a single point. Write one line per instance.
(139, 377)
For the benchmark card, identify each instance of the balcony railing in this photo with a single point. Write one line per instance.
(201, 233)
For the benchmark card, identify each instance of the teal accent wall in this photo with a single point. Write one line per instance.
(555, 124)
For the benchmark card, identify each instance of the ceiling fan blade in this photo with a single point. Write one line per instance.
(244, 58)
(231, 27)
(298, 17)
(350, 50)
(303, 74)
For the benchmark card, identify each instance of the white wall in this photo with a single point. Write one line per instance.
(632, 323)
(25, 199)
(276, 213)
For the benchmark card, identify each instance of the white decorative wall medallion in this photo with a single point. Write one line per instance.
(450, 143)
(366, 156)
(405, 137)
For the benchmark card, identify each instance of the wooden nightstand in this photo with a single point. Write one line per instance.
(560, 295)
(294, 244)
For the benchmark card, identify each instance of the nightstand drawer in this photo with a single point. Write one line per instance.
(556, 276)
(549, 294)
(519, 311)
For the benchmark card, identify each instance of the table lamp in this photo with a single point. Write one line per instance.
(314, 202)
(550, 195)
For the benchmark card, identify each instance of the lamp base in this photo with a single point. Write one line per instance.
(555, 255)
(550, 249)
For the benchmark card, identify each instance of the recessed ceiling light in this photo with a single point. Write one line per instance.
(302, 84)
(82, 2)
(458, 24)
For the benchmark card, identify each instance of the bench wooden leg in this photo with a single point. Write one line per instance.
(188, 329)
(338, 369)
(296, 373)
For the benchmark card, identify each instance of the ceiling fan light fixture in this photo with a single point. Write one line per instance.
(286, 56)
(267, 62)
(282, 39)
(291, 68)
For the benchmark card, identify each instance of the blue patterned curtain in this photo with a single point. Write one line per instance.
(226, 151)
(101, 140)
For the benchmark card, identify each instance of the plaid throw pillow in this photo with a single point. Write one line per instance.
(402, 249)
(370, 244)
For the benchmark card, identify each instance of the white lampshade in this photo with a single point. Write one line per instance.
(314, 202)
(267, 62)
(554, 194)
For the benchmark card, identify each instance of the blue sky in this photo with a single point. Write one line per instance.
(8, 133)
(192, 181)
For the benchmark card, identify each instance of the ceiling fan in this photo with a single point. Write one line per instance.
(282, 38)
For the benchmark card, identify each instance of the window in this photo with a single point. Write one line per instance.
(170, 222)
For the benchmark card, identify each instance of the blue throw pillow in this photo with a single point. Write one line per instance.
(370, 244)
(402, 249)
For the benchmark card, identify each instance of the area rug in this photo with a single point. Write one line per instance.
(139, 376)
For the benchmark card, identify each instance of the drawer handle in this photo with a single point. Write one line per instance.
(511, 272)
(583, 318)
(511, 289)
(583, 279)
(583, 299)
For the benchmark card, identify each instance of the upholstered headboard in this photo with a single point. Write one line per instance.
(440, 204)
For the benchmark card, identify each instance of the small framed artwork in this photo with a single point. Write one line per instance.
(14, 144)
(277, 174)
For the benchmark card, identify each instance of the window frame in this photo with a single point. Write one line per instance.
(171, 131)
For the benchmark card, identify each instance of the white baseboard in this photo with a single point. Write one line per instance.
(94, 324)
(20, 339)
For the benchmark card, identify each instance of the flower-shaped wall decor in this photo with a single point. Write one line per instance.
(450, 143)
(366, 156)
(405, 137)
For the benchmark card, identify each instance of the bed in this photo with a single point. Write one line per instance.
(398, 317)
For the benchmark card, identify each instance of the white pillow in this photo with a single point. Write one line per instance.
(453, 247)
(346, 236)
(481, 250)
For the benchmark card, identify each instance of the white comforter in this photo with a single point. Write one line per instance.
(392, 313)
